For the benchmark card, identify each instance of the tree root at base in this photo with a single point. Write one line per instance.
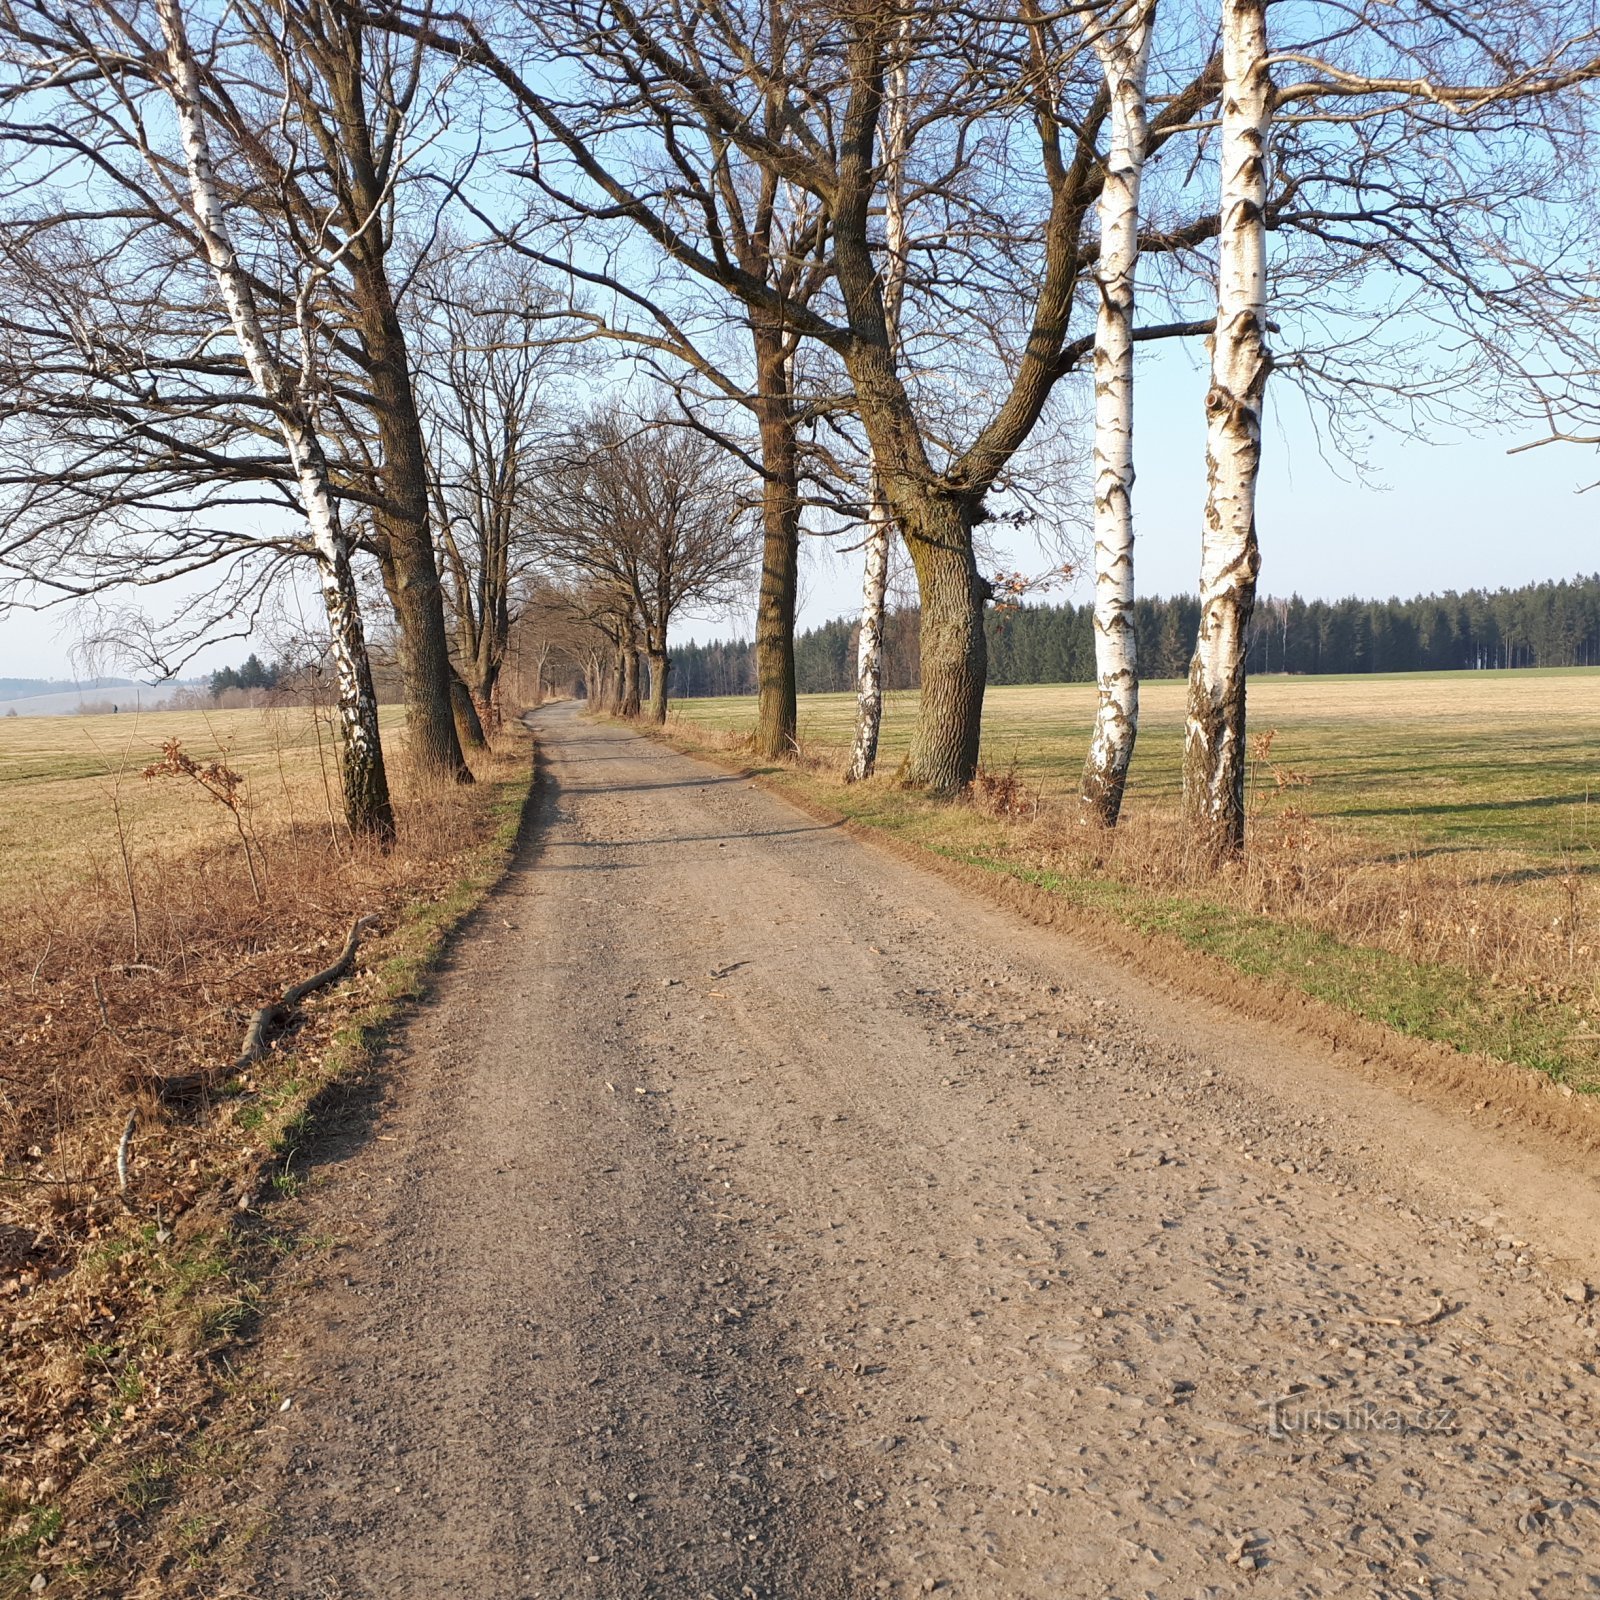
(267, 1021)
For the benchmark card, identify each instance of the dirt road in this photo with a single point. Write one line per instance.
(755, 1215)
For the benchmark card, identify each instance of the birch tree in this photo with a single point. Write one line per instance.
(1122, 44)
(315, 126)
(365, 785)
(880, 520)
(1214, 730)
(353, 94)
(1418, 143)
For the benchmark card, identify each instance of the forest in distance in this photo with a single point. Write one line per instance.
(1537, 625)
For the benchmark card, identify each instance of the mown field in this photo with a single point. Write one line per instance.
(1436, 761)
(1424, 848)
(63, 781)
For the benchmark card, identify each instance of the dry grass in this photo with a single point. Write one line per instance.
(1438, 761)
(63, 781)
(133, 953)
(1423, 848)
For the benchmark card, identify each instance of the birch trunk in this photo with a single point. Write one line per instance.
(1124, 50)
(1214, 736)
(880, 525)
(869, 647)
(366, 791)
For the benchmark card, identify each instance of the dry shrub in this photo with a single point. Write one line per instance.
(1003, 794)
(818, 756)
(728, 739)
(144, 969)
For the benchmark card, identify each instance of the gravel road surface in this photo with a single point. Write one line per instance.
(752, 1214)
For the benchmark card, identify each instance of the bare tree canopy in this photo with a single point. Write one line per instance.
(651, 516)
(869, 253)
(493, 355)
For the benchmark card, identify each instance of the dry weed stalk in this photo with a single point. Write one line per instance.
(224, 785)
(114, 794)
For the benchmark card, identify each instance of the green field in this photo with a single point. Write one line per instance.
(1429, 761)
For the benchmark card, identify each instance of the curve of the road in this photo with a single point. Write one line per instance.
(752, 1214)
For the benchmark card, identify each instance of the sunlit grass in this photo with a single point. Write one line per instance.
(64, 779)
(1506, 760)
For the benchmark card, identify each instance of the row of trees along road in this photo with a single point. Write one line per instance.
(574, 310)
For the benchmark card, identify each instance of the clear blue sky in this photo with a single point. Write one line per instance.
(1451, 515)
(1456, 515)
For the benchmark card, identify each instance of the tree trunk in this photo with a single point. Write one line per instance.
(954, 653)
(464, 710)
(487, 687)
(660, 666)
(869, 646)
(935, 518)
(1214, 736)
(364, 782)
(780, 549)
(628, 704)
(418, 596)
(402, 525)
(1124, 50)
(875, 566)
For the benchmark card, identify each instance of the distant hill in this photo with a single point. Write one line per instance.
(55, 697)
(26, 688)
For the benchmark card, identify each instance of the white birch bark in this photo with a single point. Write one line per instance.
(365, 785)
(869, 647)
(880, 524)
(1123, 46)
(1214, 735)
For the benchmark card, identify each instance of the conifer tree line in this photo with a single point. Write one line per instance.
(1537, 625)
(254, 674)
(579, 316)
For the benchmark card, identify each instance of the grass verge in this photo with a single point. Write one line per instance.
(126, 1324)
